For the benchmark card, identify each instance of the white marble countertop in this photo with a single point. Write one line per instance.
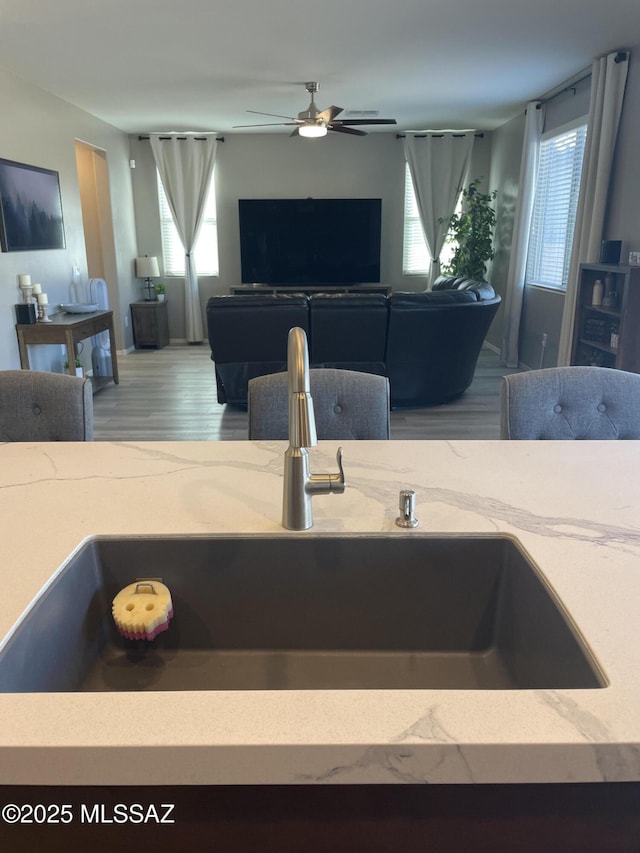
(574, 507)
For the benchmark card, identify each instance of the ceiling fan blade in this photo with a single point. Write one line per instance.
(356, 121)
(341, 129)
(272, 124)
(329, 114)
(275, 115)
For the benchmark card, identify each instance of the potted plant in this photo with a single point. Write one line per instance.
(472, 231)
(78, 371)
(160, 291)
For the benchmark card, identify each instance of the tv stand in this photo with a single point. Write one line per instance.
(243, 289)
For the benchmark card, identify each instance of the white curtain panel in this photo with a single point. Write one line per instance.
(609, 76)
(439, 167)
(534, 122)
(185, 163)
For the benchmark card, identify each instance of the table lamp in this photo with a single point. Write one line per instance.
(147, 268)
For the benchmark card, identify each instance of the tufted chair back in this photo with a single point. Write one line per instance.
(348, 405)
(568, 403)
(38, 406)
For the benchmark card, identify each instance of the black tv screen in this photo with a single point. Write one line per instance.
(313, 241)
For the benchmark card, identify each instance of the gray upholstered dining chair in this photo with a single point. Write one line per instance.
(564, 403)
(348, 404)
(39, 406)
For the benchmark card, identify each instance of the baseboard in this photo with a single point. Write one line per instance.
(496, 350)
(177, 341)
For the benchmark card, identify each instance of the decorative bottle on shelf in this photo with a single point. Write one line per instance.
(597, 292)
(609, 299)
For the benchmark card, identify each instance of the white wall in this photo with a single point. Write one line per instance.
(261, 165)
(40, 129)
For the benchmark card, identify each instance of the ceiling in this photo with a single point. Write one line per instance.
(200, 64)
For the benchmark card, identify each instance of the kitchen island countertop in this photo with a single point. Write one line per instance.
(573, 506)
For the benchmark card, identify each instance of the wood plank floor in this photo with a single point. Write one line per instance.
(170, 394)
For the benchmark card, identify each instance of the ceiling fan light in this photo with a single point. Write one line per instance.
(313, 131)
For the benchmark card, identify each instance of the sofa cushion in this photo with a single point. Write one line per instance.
(248, 337)
(431, 299)
(481, 289)
(348, 329)
(253, 328)
(445, 282)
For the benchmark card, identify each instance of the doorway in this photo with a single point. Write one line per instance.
(97, 220)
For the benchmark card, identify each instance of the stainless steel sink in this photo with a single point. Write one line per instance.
(303, 613)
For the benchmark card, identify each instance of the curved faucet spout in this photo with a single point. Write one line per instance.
(299, 483)
(298, 361)
(302, 423)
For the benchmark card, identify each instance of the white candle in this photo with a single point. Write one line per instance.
(24, 280)
(43, 299)
(37, 288)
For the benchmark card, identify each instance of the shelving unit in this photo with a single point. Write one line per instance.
(594, 341)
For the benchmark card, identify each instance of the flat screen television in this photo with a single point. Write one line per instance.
(312, 241)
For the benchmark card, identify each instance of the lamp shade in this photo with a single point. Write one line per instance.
(147, 267)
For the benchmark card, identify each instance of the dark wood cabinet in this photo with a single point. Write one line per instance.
(150, 324)
(606, 334)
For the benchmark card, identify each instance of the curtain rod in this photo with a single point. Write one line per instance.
(438, 135)
(569, 87)
(581, 76)
(196, 138)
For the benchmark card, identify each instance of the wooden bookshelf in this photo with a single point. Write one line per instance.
(594, 325)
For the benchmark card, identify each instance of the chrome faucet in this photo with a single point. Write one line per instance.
(299, 484)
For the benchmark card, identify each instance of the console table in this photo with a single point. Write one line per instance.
(67, 329)
(309, 289)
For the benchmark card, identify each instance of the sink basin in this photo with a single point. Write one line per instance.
(303, 613)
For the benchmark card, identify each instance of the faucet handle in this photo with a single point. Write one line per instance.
(324, 483)
(336, 481)
(340, 475)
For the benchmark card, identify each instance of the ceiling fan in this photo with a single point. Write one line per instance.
(313, 122)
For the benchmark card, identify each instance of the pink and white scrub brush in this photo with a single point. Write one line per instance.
(142, 610)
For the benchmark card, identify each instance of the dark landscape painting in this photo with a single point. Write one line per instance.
(30, 208)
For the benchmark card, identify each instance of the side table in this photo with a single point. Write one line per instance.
(150, 324)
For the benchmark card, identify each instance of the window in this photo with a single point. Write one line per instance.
(206, 248)
(416, 259)
(555, 204)
(415, 255)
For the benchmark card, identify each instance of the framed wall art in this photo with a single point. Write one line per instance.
(30, 208)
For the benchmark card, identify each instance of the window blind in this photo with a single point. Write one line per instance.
(206, 248)
(415, 255)
(555, 205)
(416, 259)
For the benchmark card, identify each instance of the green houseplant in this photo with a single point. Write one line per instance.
(160, 291)
(472, 231)
(77, 371)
